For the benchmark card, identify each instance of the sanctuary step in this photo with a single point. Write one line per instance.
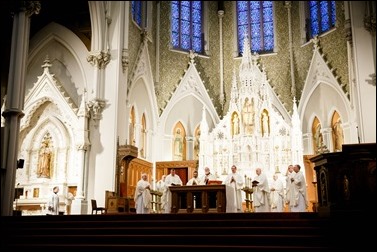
(171, 232)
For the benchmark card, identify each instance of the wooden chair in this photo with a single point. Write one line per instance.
(95, 208)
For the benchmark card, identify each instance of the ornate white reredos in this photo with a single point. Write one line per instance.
(256, 131)
(47, 88)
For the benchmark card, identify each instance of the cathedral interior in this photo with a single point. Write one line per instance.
(96, 93)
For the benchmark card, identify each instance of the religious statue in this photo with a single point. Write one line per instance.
(197, 145)
(265, 124)
(44, 163)
(236, 125)
(248, 116)
(132, 133)
(346, 190)
(178, 145)
(318, 138)
(338, 135)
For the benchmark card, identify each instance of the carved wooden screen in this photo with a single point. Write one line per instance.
(183, 168)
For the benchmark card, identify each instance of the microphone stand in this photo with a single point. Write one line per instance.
(17, 197)
(358, 136)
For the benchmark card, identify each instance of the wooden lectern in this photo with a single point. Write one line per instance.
(346, 181)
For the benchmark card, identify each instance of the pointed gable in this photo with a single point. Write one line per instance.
(48, 89)
(192, 85)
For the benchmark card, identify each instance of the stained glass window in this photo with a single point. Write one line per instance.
(322, 17)
(136, 11)
(255, 19)
(186, 25)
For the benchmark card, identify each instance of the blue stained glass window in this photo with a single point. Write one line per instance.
(136, 11)
(186, 25)
(255, 18)
(322, 17)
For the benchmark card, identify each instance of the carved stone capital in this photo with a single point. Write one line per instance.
(30, 7)
(125, 59)
(99, 59)
(33, 7)
(96, 106)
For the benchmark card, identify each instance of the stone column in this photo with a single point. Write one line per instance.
(15, 99)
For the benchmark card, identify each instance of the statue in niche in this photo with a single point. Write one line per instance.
(236, 124)
(248, 116)
(45, 159)
(197, 145)
(318, 138)
(338, 135)
(178, 145)
(265, 124)
(132, 133)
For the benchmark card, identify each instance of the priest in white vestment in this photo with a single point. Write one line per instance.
(194, 180)
(234, 184)
(289, 187)
(207, 176)
(261, 192)
(298, 198)
(276, 194)
(171, 180)
(143, 195)
(161, 187)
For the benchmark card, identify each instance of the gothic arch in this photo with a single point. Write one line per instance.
(141, 94)
(321, 92)
(75, 70)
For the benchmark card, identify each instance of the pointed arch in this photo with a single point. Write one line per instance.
(57, 38)
(189, 97)
(321, 85)
(321, 95)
